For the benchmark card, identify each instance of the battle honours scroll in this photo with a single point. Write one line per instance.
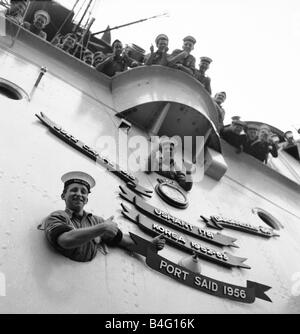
(179, 224)
(131, 181)
(181, 241)
(178, 240)
(200, 282)
(219, 222)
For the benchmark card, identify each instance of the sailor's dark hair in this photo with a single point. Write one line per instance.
(116, 41)
(67, 184)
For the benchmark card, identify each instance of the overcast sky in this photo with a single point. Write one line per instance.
(255, 47)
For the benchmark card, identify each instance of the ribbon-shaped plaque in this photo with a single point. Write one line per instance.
(179, 224)
(181, 241)
(219, 222)
(131, 181)
(199, 282)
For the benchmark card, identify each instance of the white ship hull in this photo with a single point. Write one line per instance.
(36, 279)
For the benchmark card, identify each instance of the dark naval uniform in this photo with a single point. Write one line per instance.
(221, 115)
(234, 139)
(260, 150)
(189, 61)
(116, 64)
(249, 147)
(205, 80)
(179, 177)
(32, 28)
(59, 222)
(63, 221)
(173, 173)
(157, 58)
(200, 74)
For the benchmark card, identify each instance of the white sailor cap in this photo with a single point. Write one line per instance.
(78, 177)
(43, 13)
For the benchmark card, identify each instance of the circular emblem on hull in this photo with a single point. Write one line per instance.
(171, 193)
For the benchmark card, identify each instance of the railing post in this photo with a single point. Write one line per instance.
(159, 119)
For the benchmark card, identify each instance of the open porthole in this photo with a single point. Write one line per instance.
(10, 90)
(267, 218)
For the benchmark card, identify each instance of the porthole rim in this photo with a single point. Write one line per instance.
(14, 88)
(275, 223)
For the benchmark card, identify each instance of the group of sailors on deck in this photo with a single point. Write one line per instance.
(254, 139)
(41, 19)
(249, 138)
(119, 59)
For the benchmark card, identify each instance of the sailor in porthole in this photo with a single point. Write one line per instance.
(162, 161)
(77, 234)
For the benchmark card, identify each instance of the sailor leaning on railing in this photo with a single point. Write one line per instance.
(114, 58)
(17, 12)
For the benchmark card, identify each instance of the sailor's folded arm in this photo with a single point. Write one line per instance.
(78, 237)
(64, 237)
(105, 61)
(109, 232)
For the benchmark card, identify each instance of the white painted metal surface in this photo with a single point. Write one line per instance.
(32, 160)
